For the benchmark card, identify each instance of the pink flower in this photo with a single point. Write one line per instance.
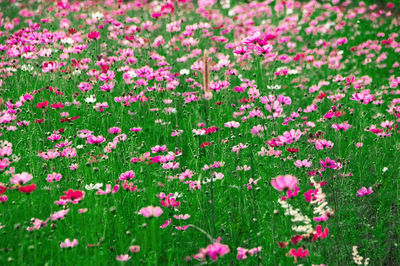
(135, 129)
(108, 190)
(37, 224)
(304, 163)
(3, 198)
(329, 163)
(166, 223)
(363, 191)
(53, 177)
(49, 66)
(182, 228)
(343, 126)
(323, 144)
(242, 252)
(321, 218)
(359, 144)
(214, 251)
(182, 217)
(124, 257)
(4, 163)
(170, 202)
(95, 140)
(68, 243)
(128, 174)
(151, 211)
(114, 130)
(284, 182)
(83, 210)
(134, 249)
(59, 215)
(23, 178)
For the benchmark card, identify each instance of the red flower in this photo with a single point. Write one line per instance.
(57, 105)
(2, 189)
(296, 239)
(283, 244)
(292, 150)
(69, 119)
(42, 105)
(39, 121)
(205, 144)
(27, 189)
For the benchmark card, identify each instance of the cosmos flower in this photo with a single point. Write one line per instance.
(68, 243)
(364, 191)
(151, 211)
(284, 182)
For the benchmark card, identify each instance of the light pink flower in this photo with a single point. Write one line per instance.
(68, 243)
(284, 182)
(303, 163)
(151, 211)
(124, 257)
(59, 215)
(182, 217)
(23, 178)
(134, 249)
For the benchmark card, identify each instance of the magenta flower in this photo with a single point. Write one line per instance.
(363, 191)
(128, 174)
(329, 163)
(166, 223)
(68, 243)
(114, 130)
(95, 140)
(151, 211)
(284, 182)
(300, 253)
(3, 198)
(170, 202)
(214, 251)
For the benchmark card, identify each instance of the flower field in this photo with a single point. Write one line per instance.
(187, 132)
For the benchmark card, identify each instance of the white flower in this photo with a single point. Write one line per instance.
(91, 99)
(92, 187)
(28, 68)
(97, 15)
(76, 72)
(67, 40)
(184, 72)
